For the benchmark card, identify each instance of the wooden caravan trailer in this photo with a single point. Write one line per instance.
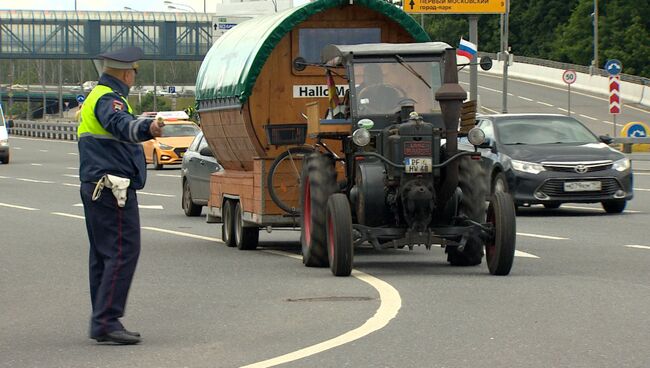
(256, 79)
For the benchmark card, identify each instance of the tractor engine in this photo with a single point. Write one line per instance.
(408, 195)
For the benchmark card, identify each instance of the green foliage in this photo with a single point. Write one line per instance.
(162, 104)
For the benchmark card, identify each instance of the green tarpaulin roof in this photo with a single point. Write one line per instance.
(232, 65)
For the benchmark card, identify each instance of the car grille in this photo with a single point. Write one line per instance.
(579, 167)
(555, 188)
(179, 151)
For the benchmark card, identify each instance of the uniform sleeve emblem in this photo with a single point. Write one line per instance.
(118, 105)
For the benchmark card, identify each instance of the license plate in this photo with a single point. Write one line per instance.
(417, 165)
(582, 186)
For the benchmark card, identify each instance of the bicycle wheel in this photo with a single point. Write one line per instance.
(283, 179)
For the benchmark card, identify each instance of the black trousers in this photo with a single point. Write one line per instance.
(114, 235)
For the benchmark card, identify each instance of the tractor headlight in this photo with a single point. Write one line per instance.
(622, 164)
(476, 136)
(361, 137)
(527, 167)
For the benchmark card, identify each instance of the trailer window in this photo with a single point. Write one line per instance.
(312, 40)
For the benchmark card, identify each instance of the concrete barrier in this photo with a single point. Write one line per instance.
(50, 130)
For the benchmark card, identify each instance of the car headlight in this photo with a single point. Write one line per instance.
(165, 147)
(527, 167)
(361, 137)
(4, 142)
(622, 164)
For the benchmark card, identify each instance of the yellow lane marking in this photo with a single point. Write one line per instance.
(390, 304)
(542, 236)
(18, 207)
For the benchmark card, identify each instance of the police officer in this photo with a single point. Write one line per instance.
(111, 168)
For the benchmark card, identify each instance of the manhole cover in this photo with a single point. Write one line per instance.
(332, 299)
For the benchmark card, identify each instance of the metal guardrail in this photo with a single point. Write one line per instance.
(627, 143)
(51, 130)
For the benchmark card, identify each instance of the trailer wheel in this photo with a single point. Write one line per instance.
(340, 251)
(246, 238)
(228, 226)
(500, 251)
(474, 183)
(317, 184)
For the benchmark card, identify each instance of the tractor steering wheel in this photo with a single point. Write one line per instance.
(380, 98)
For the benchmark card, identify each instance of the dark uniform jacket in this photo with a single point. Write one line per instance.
(122, 154)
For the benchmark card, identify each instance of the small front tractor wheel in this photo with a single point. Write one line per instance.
(228, 225)
(500, 250)
(340, 250)
(318, 182)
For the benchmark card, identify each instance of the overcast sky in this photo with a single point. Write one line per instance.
(141, 5)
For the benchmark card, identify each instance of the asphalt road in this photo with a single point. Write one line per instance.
(577, 296)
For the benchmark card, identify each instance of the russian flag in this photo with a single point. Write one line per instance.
(466, 49)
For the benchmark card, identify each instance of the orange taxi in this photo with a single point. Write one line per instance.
(177, 134)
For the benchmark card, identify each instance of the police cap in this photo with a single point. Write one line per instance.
(124, 58)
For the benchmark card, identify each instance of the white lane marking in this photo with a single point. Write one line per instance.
(390, 304)
(18, 207)
(489, 89)
(45, 139)
(71, 175)
(71, 185)
(642, 189)
(561, 109)
(157, 194)
(67, 215)
(4, 177)
(15, 147)
(544, 103)
(169, 175)
(151, 206)
(588, 117)
(37, 164)
(490, 110)
(607, 122)
(542, 236)
(594, 208)
(635, 173)
(35, 181)
(44, 150)
(179, 233)
(510, 94)
(73, 153)
(638, 246)
(519, 253)
(72, 168)
(525, 98)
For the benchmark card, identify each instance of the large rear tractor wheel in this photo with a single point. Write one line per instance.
(228, 225)
(317, 184)
(340, 250)
(246, 238)
(474, 183)
(500, 251)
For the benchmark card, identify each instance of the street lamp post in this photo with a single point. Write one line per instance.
(594, 63)
(170, 5)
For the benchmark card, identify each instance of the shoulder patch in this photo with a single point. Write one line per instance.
(118, 105)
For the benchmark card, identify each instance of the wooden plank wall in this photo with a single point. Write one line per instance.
(235, 183)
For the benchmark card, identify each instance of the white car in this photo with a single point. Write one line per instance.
(4, 139)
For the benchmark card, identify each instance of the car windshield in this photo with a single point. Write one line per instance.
(180, 130)
(381, 87)
(547, 130)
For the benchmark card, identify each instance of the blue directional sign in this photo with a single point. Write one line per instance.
(637, 131)
(171, 89)
(613, 67)
(80, 98)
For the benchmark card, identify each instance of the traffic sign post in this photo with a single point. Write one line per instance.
(569, 77)
(614, 68)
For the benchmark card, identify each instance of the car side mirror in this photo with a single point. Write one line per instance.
(606, 139)
(206, 151)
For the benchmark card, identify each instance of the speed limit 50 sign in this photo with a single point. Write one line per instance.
(569, 76)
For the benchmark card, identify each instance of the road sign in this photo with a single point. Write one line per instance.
(569, 76)
(635, 129)
(171, 89)
(80, 98)
(455, 6)
(613, 67)
(614, 95)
